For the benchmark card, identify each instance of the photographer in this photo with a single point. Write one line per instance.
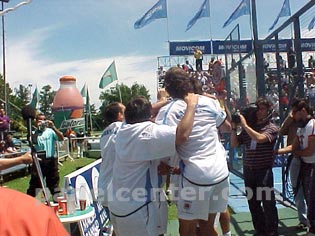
(259, 139)
(44, 139)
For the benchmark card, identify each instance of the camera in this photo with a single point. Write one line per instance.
(41, 154)
(249, 114)
(43, 125)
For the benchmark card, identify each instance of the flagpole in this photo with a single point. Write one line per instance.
(168, 32)
(210, 28)
(90, 119)
(86, 114)
(251, 18)
(117, 87)
(167, 26)
(119, 92)
(291, 28)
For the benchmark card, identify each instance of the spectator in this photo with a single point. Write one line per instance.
(160, 74)
(310, 79)
(291, 58)
(289, 128)
(259, 137)
(80, 142)
(140, 144)
(311, 62)
(303, 147)
(185, 67)
(234, 64)
(44, 138)
(210, 66)
(218, 76)
(23, 215)
(9, 144)
(282, 63)
(4, 124)
(266, 65)
(71, 135)
(89, 132)
(311, 95)
(189, 66)
(3, 148)
(198, 56)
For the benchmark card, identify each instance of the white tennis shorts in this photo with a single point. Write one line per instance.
(143, 222)
(197, 202)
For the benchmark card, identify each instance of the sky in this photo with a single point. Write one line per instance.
(47, 39)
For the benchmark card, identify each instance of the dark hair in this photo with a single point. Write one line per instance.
(299, 104)
(111, 111)
(264, 101)
(197, 86)
(138, 110)
(177, 83)
(295, 102)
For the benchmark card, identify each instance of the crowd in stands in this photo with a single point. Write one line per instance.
(213, 81)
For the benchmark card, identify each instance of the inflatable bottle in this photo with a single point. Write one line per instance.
(68, 105)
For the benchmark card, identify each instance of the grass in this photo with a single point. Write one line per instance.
(19, 181)
(172, 212)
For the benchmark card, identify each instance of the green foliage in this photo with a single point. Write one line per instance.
(22, 95)
(46, 98)
(18, 100)
(8, 89)
(121, 93)
(172, 212)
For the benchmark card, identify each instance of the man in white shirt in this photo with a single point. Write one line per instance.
(114, 114)
(202, 158)
(140, 144)
(303, 147)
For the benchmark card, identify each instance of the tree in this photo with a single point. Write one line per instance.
(119, 93)
(21, 96)
(46, 98)
(122, 93)
(8, 89)
(17, 101)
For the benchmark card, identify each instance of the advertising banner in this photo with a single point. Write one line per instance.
(84, 181)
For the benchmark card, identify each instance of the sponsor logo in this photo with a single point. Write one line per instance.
(72, 123)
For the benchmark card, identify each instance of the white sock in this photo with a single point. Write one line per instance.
(227, 234)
